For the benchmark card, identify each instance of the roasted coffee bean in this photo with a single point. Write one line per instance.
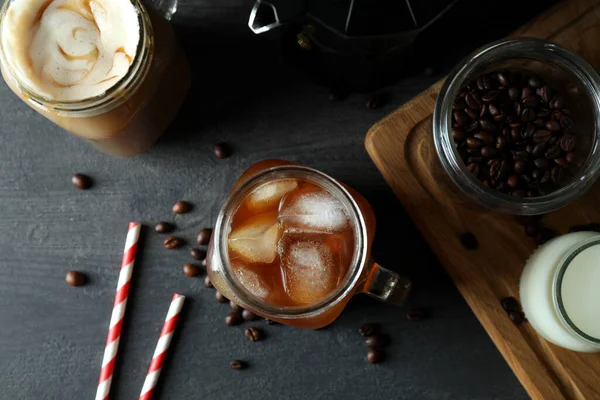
(484, 111)
(514, 93)
(471, 113)
(191, 270)
(375, 356)
(569, 157)
(489, 152)
(172, 243)
(233, 319)
(503, 79)
(538, 149)
(517, 317)
(377, 100)
(518, 108)
(221, 150)
(557, 174)
(474, 143)
(527, 92)
(515, 133)
(567, 143)
(458, 134)
(488, 125)
(529, 130)
(541, 136)
(368, 329)
(473, 101)
(543, 112)
(531, 101)
(545, 177)
(519, 166)
(207, 282)
(459, 104)
(541, 163)
(253, 334)
(378, 341)
(510, 304)
(518, 193)
(532, 229)
(485, 137)
(164, 227)
(561, 161)
(220, 298)
(237, 364)
(483, 82)
(416, 314)
(75, 278)
(546, 93)
(553, 152)
(566, 123)
(181, 207)
(235, 307)
(513, 181)
(501, 143)
(557, 102)
(204, 236)
(490, 96)
(534, 82)
(539, 122)
(81, 181)
(469, 241)
(198, 254)
(248, 316)
(553, 126)
(526, 179)
(472, 126)
(528, 114)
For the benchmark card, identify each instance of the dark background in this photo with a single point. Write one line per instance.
(52, 336)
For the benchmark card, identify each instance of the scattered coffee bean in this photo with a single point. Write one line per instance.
(510, 304)
(376, 100)
(181, 207)
(204, 236)
(221, 150)
(237, 364)
(191, 270)
(377, 341)
(207, 282)
(233, 319)
(469, 241)
(253, 334)
(220, 298)
(197, 254)
(235, 307)
(75, 278)
(416, 314)
(172, 243)
(368, 329)
(81, 181)
(249, 316)
(375, 356)
(516, 316)
(505, 124)
(164, 227)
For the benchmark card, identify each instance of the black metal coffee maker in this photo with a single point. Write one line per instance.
(363, 45)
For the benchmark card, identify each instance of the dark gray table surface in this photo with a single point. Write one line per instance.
(52, 336)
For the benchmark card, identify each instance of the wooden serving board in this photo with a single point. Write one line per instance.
(401, 145)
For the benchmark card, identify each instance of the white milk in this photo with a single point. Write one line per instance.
(560, 291)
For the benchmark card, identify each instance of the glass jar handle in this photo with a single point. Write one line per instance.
(386, 285)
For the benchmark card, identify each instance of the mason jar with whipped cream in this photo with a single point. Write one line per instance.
(109, 71)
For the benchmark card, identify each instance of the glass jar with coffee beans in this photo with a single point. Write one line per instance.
(516, 126)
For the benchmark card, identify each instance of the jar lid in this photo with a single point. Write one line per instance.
(577, 289)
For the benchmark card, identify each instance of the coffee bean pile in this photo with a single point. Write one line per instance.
(514, 133)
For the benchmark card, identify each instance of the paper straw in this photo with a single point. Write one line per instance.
(162, 347)
(116, 320)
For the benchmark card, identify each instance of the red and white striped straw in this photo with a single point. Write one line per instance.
(116, 320)
(162, 347)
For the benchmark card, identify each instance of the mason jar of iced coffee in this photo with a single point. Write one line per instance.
(108, 71)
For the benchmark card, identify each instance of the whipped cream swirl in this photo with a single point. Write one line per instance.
(69, 50)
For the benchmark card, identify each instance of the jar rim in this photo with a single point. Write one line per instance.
(111, 98)
(557, 282)
(503, 50)
(328, 183)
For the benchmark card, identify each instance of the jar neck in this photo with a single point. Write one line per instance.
(222, 229)
(560, 297)
(113, 97)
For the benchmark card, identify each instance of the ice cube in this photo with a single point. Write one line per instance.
(251, 281)
(318, 211)
(269, 194)
(256, 240)
(309, 265)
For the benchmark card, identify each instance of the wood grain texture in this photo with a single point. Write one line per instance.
(401, 146)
